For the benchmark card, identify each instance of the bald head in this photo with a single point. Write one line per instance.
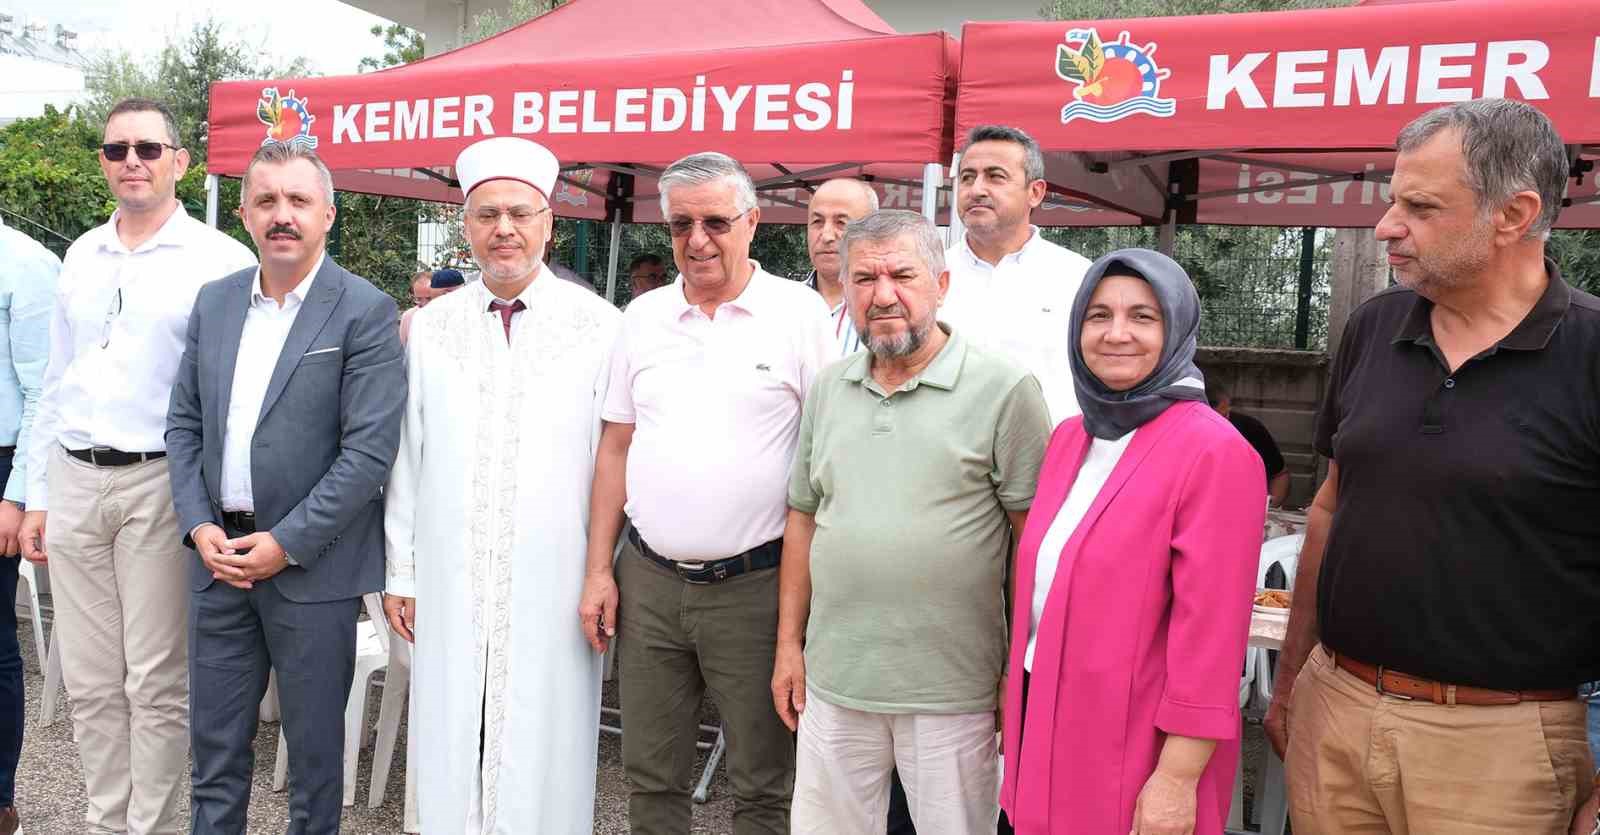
(834, 204)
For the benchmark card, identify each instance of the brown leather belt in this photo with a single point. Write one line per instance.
(1402, 686)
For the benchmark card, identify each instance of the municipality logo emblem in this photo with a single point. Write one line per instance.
(288, 119)
(1114, 80)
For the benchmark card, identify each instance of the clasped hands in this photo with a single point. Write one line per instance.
(240, 562)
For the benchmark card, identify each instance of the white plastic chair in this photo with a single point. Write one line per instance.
(51, 698)
(1256, 681)
(372, 655)
(391, 710)
(29, 573)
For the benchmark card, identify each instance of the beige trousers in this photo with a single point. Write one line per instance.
(1363, 763)
(949, 765)
(120, 574)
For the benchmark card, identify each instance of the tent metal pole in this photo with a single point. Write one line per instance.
(931, 174)
(611, 260)
(956, 229)
(1166, 241)
(212, 196)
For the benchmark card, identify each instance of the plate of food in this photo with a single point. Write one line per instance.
(1273, 603)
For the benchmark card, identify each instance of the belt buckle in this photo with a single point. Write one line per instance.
(1383, 692)
(95, 452)
(688, 567)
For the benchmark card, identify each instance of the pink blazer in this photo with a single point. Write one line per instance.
(1144, 629)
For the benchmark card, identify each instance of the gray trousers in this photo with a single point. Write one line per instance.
(236, 637)
(675, 642)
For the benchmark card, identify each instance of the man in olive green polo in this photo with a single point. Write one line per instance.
(917, 462)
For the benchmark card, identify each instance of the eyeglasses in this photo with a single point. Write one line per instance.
(520, 216)
(147, 151)
(111, 315)
(682, 226)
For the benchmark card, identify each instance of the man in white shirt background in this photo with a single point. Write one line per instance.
(94, 464)
(1011, 291)
(284, 422)
(702, 417)
(833, 205)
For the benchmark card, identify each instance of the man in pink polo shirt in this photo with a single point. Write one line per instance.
(700, 424)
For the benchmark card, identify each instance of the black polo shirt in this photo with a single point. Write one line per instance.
(1261, 440)
(1465, 547)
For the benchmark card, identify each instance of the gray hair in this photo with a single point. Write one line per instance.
(1032, 156)
(1510, 146)
(891, 225)
(709, 167)
(278, 153)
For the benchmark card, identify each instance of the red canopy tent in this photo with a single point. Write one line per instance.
(798, 89)
(1276, 119)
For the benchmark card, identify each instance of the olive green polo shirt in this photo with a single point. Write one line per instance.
(910, 491)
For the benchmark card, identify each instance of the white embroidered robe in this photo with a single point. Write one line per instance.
(486, 525)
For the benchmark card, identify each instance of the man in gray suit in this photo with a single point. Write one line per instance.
(284, 422)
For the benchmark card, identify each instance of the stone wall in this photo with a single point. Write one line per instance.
(1282, 389)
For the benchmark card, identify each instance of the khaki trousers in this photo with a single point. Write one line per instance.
(120, 575)
(675, 641)
(1359, 762)
(949, 764)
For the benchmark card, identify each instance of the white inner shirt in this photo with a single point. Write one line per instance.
(266, 328)
(1020, 308)
(1097, 466)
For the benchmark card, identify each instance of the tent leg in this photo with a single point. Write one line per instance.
(957, 230)
(212, 194)
(611, 265)
(1166, 241)
(931, 174)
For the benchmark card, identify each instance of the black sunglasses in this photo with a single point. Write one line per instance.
(681, 226)
(147, 151)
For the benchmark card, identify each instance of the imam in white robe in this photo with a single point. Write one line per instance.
(486, 524)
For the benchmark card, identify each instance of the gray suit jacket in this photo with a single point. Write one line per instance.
(325, 439)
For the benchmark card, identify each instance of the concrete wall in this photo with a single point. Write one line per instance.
(1282, 389)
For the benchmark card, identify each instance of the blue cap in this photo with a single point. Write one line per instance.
(446, 278)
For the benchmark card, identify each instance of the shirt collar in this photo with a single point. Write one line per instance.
(298, 293)
(941, 373)
(1033, 240)
(750, 299)
(171, 233)
(535, 287)
(1531, 334)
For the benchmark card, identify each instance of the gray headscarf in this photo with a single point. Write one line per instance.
(1111, 414)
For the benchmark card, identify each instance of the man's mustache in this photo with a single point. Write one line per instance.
(282, 229)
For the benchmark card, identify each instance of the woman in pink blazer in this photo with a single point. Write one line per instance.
(1134, 579)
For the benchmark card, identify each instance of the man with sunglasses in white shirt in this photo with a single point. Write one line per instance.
(701, 420)
(99, 498)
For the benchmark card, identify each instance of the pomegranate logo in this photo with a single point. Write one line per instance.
(1113, 80)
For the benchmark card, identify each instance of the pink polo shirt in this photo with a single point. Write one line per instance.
(715, 403)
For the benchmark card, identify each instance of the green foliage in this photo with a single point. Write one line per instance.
(377, 240)
(50, 175)
(1577, 253)
(490, 23)
(402, 45)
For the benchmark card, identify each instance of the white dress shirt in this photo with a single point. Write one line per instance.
(117, 335)
(845, 335)
(266, 328)
(1020, 308)
(715, 402)
(1096, 470)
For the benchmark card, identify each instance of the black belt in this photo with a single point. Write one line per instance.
(702, 573)
(239, 520)
(104, 456)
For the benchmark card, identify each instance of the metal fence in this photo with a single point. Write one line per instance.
(52, 240)
(1259, 287)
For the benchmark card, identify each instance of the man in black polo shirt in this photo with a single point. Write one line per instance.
(1428, 681)
(1255, 432)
